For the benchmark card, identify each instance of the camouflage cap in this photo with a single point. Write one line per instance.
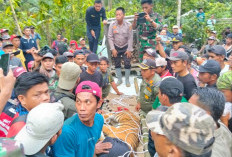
(10, 148)
(185, 125)
(225, 81)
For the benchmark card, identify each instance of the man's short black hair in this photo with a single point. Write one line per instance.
(27, 81)
(211, 100)
(146, 1)
(98, 2)
(105, 59)
(122, 9)
(61, 59)
(26, 27)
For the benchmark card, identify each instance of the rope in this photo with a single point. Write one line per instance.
(119, 101)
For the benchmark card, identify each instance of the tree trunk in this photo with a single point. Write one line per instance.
(109, 5)
(179, 13)
(15, 18)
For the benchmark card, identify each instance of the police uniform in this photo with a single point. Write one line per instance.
(147, 32)
(120, 37)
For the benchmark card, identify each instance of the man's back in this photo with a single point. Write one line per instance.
(222, 146)
(96, 77)
(78, 139)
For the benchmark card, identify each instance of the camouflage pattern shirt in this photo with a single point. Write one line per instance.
(147, 32)
(148, 93)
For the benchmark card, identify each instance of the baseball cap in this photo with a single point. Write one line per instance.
(18, 71)
(93, 58)
(229, 36)
(40, 128)
(214, 32)
(147, 64)
(225, 81)
(78, 52)
(151, 52)
(14, 36)
(3, 30)
(48, 55)
(5, 44)
(70, 72)
(178, 55)
(210, 66)
(218, 49)
(175, 27)
(185, 125)
(160, 62)
(211, 38)
(68, 54)
(91, 87)
(177, 39)
(30, 64)
(169, 83)
(5, 37)
(82, 39)
(10, 148)
(165, 25)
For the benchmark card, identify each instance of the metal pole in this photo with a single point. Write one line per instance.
(179, 13)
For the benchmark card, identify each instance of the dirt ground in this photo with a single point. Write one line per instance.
(128, 102)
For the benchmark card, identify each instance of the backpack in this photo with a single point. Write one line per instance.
(62, 47)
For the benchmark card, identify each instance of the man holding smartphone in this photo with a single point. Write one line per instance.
(147, 29)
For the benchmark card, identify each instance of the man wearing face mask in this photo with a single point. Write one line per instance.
(148, 28)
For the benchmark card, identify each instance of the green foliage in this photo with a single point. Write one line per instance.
(68, 16)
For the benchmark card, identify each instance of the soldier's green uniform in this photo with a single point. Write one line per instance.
(148, 93)
(147, 33)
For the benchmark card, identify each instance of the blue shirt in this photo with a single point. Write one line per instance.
(77, 139)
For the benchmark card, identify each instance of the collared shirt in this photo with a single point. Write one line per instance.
(120, 35)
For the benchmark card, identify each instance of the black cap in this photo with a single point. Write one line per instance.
(68, 54)
(169, 83)
(151, 52)
(147, 64)
(78, 52)
(93, 58)
(218, 49)
(6, 44)
(229, 35)
(177, 39)
(210, 66)
(61, 59)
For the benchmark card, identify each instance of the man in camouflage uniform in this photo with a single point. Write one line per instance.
(147, 29)
(149, 87)
(183, 130)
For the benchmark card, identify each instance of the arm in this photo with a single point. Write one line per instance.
(104, 18)
(6, 88)
(111, 37)
(130, 39)
(160, 47)
(114, 86)
(134, 24)
(88, 18)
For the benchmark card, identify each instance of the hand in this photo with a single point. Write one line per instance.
(138, 107)
(102, 147)
(93, 34)
(105, 22)
(225, 119)
(128, 54)
(119, 93)
(147, 17)
(114, 53)
(136, 16)
(28, 51)
(158, 39)
(7, 83)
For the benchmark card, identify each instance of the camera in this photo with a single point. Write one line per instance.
(141, 18)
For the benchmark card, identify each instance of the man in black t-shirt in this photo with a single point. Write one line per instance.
(179, 64)
(91, 74)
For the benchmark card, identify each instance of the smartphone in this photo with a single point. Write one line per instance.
(141, 18)
(4, 63)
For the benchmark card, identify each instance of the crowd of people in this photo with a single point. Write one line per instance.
(51, 99)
